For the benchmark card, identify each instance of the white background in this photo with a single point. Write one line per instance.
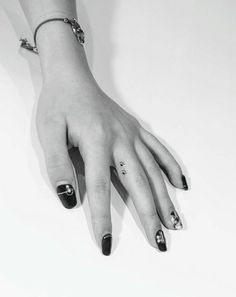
(172, 64)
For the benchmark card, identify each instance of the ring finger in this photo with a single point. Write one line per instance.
(135, 181)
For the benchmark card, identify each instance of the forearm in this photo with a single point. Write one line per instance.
(59, 51)
(38, 10)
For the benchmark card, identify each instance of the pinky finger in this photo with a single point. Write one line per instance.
(165, 160)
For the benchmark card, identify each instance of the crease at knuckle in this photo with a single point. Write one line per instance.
(153, 168)
(100, 217)
(56, 162)
(49, 120)
(100, 186)
(141, 180)
(150, 216)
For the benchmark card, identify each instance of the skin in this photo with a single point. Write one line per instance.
(72, 105)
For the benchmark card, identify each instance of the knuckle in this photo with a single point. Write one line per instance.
(47, 126)
(123, 141)
(150, 215)
(106, 217)
(56, 161)
(128, 137)
(101, 132)
(99, 137)
(48, 120)
(150, 218)
(141, 180)
(101, 186)
(153, 168)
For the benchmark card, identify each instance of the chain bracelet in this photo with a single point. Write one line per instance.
(78, 32)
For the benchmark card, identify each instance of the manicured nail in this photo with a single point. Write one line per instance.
(176, 221)
(106, 244)
(66, 193)
(160, 240)
(185, 185)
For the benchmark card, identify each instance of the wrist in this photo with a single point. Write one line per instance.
(59, 49)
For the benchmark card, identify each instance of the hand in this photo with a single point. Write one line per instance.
(107, 137)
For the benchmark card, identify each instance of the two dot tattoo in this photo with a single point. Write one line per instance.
(123, 171)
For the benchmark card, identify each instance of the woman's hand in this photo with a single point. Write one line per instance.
(81, 115)
(73, 110)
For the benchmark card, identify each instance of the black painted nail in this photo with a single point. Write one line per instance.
(185, 185)
(176, 221)
(160, 240)
(66, 193)
(106, 244)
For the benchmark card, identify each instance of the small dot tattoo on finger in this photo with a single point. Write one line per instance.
(122, 164)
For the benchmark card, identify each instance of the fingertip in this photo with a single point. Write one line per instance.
(161, 241)
(184, 183)
(172, 220)
(107, 244)
(178, 181)
(102, 230)
(67, 195)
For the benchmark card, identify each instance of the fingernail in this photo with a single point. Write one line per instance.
(160, 240)
(176, 221)
(66, 193)
(106, 244)
(185, 185)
